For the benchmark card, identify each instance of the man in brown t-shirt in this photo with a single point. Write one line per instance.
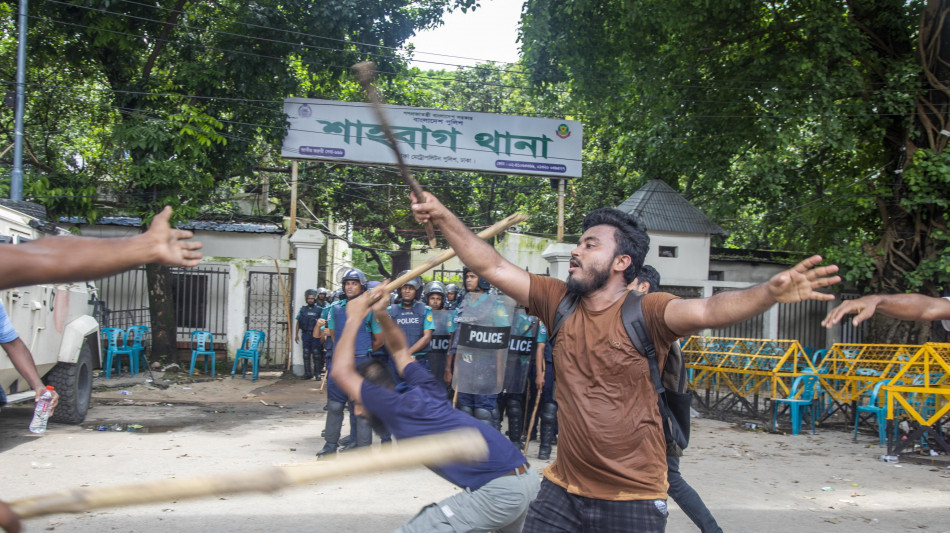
(610, 470)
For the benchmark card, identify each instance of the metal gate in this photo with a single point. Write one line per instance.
(268, 312)
(200, 294)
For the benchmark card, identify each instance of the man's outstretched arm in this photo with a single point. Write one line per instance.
(729, 307)
(63, 259)
(474, 252)
(901, 306)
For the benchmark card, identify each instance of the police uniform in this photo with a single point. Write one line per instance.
(547, 409)
(336, 321)
(312, 345)
(413, 322)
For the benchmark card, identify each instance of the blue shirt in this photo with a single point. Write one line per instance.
(7, 333)
(425, 410)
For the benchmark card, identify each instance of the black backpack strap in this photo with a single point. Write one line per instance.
(565, 308)
(634, 322)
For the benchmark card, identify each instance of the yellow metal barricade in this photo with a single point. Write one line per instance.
(922, 386)
(849, 370)
(745, 366)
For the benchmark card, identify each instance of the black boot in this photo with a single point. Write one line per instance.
(548, 421)
(333, 427)
(515, 419)
(328, 449)
(307, 369)
(318, 366)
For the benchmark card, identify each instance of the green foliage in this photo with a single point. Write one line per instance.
(786, 122)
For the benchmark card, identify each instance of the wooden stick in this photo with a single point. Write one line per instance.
(290, 322)
(365, 72)
(534, 413)
(487, 233)
(466, 445)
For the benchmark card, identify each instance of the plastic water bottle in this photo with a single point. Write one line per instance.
(41, 412)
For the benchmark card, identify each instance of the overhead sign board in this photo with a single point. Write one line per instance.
(433, 138)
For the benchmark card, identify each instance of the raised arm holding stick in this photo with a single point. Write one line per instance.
(614, 469)
(498, 489)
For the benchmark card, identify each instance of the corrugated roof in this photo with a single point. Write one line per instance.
(663, 209)
(204, 225)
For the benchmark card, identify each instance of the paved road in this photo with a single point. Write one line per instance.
(752, 481)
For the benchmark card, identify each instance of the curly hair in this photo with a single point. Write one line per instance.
(629, 233)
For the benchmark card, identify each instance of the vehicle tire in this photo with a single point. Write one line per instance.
(73, 383)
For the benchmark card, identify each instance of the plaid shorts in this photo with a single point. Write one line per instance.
(555, 510)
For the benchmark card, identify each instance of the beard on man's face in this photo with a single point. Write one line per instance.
(598, 279)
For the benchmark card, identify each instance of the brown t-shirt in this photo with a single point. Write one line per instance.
(610, 435)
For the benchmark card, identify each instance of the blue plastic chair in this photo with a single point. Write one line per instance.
(801, 395)
(134, 339)
(879, 412)
(202, 343)
(250, 351)
(115, 349)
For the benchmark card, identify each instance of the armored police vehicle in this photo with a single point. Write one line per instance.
(56, 322)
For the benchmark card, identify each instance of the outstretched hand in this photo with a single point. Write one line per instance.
(864, 308)
(799, 282)
(172, 245)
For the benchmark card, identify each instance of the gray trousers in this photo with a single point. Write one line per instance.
(499, 505)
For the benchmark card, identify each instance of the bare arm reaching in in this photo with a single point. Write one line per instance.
(901, 306)
(23, 362)
(62, 259)
(729, 307)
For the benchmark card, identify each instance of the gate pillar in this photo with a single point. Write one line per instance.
(306, 244)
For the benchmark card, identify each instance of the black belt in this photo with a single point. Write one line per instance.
(520, 470)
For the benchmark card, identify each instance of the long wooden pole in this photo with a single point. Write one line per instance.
(466, 445)
(290, 322)
(487, 233)
(560, 209)
(293, 197)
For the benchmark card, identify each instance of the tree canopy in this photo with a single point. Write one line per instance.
(806, 126)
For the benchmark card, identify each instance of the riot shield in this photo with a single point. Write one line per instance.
(524, 334)
(439, 344)
(483, 327)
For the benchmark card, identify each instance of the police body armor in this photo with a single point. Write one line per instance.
(308, 318)
(411, 321)
(364, 339)
(482, 334)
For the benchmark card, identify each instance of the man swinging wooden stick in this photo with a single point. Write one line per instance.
(497, 491)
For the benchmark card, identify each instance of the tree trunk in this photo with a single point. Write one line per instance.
(161, 305)
(402, 258)
(908, 233)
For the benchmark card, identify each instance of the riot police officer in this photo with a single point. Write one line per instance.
(451, 296)
(354, 284)
(413, 317)
(434, 295)
(307, 319)
(476, 300)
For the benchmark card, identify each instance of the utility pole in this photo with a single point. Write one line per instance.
(16, 177)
